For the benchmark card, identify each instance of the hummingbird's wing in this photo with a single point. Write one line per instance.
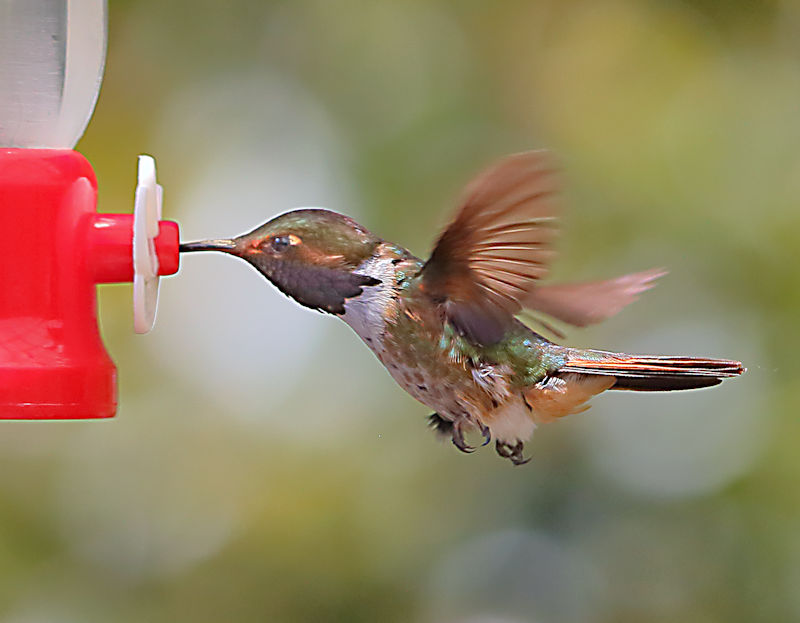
(582, 304)
(489, 259)
(487, 263)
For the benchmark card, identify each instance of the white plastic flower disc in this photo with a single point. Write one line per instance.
(146, 215)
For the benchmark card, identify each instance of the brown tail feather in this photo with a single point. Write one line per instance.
(652, 373)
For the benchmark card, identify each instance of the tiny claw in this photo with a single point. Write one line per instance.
(520, 461)
(458, 439)
(511, 452)
(503, 449)
(487, 434)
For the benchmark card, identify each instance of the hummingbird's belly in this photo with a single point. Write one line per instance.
(407, 346)
(434, 387)
(407, 338)
(455, 390)
(481, 398)
(454, 387)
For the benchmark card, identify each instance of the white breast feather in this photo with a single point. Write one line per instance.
(365, 313)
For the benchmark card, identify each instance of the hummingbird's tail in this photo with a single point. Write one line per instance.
(647, 373)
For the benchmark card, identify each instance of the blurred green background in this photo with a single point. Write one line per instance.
(264, 467)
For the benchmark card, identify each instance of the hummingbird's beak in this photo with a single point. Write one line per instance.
(224, 246)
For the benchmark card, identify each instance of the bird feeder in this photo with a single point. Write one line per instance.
(55, 246)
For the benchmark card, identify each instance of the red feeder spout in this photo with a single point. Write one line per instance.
(54, 249)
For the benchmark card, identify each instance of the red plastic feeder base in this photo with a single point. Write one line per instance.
(55, 248)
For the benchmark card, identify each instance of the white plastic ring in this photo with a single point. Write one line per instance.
(146, 215)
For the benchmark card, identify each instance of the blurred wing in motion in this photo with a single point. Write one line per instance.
(488, 261)
(582, 304)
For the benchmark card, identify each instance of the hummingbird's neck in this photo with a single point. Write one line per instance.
(366, 313)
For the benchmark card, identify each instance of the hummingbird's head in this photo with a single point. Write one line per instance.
(311, 255)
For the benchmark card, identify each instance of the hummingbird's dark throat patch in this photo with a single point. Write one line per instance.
(317, 287)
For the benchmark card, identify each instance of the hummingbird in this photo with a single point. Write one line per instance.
(446, 328)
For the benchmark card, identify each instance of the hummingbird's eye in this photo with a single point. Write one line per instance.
(279, 244)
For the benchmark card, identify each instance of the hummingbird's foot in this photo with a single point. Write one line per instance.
(458, 438)
(487, 434)
(511, 452)
(503, 449)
